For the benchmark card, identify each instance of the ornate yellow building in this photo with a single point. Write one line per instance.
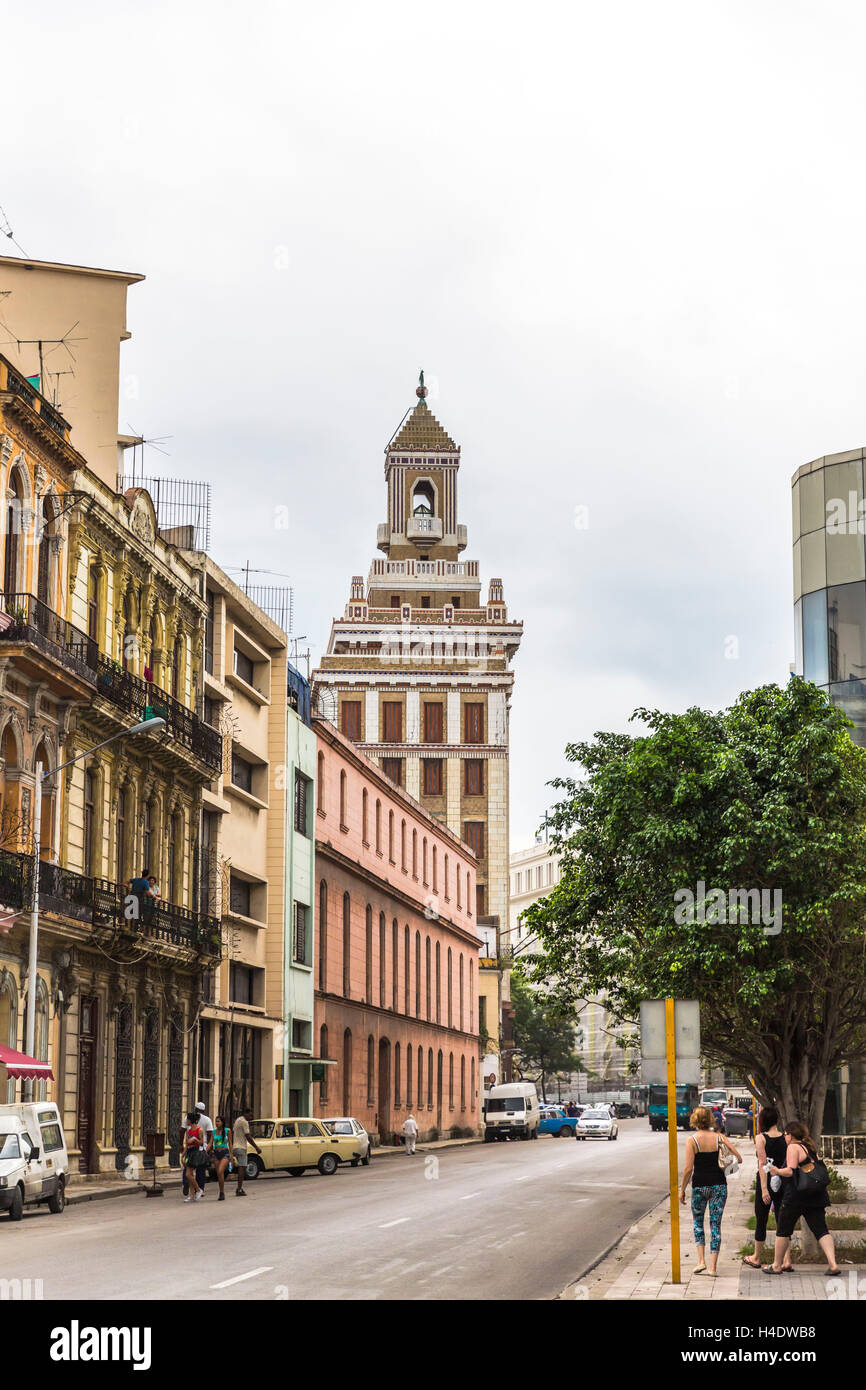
(115, 634)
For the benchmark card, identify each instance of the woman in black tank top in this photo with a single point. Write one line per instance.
(704, 1149)
(769, 1146)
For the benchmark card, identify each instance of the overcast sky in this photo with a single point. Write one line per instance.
(625, 242)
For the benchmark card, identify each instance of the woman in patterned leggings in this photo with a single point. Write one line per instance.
(709, 1184)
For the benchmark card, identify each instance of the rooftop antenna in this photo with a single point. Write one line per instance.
(139, 441)
(42, 343)
(6, 229)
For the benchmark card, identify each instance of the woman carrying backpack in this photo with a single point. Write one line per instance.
(806, 1195)
(193, 1156)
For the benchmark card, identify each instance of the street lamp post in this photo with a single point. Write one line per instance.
(147, 726)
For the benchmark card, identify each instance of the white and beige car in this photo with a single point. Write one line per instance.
(346, 1125)
(597, 1124)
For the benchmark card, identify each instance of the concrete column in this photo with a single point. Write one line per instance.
(497, 839)
(413, 776)
(371, 717)
(497, 717)
(453, 769)
(452, 733)
(413, 722)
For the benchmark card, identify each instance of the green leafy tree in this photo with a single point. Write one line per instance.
(768, 795)
(543, 1034)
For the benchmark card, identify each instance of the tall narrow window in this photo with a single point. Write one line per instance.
(365, 801)
(460, 992)
(431, 776)
(177, 670)
(350, 719)
(147, 840)
(473, 834)
(395, 965)
(433, 724)
(424, 860)
(471, 996)
(368, 996)
(392, 721)
(347, 946)
(391, 837)
(343, 822)
(473, 723)
(414, 853)
(472, 1084)
(397, 1078)
(301, 803)
(449, 992)
(89, 824)
(480, 898)
(435, 872)
(458, 887)
(418, 974)
(462, 1082)
(428, 995)
(323, 936)
(420, 1077)
(323, 1052)
(438, 983)
(14, 522)
(383, 1003)
(92, 603)
(473, 777)
(43, 579)
(378, 826)
(409, 1077)
(347, 1072)
(120, 848)
(371, 1070)
(320, 783)
(450, 1080)
(407, 969)
(174, 867)
(445, 876)
(429, 1078)
(403, 846)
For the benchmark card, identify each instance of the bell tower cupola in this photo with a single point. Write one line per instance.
(421, 466)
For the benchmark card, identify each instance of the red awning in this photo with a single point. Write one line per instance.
(18, 1064)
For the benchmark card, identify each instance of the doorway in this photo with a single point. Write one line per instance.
(88, 1016)
(384, 1091)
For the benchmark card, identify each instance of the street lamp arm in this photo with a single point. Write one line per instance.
(148, 726)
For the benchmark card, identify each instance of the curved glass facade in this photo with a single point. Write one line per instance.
(829, 525)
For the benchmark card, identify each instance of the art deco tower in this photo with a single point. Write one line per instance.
(417, 671)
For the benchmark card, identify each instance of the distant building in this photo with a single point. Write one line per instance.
(534, 874)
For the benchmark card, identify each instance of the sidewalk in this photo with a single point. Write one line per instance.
(639, 1265)
(98, 1187)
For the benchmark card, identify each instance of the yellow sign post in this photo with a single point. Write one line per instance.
(671, 1056)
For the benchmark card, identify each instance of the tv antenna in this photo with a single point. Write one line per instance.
(42, 343)
(138, 441)
(6, 229)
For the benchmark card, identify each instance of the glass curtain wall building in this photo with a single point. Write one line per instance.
(829, 524)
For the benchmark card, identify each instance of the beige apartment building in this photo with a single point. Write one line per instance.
(47, 305)
(243, 878)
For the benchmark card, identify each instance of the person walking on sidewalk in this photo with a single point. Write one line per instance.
(241, 1139)
(410, 1131)
(770, 1147)
(805, 1195)
(222, 1153)
(703, 1164)
(193, 1156)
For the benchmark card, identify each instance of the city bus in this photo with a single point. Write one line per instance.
(687, 1099)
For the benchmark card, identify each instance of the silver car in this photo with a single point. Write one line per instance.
(344, 1124)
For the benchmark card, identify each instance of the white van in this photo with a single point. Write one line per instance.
(511, 1109)
(34, 1164)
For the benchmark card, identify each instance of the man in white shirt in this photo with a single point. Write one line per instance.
(410, 1131)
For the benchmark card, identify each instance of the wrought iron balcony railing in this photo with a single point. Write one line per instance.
(25, 618)
(98, 902)
(138, 697)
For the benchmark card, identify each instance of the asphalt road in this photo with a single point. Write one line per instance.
(489, 1221)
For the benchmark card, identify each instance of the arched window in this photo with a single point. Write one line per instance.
(175, 858)
(429, 983)
(41, 1088)
(127, 642)
(397, 1077)
(120, 837)
(438, 983)
(460, 992)
(8, 1026)
(462, 1083)
(391, 836)
(368, 956)
(147, 837)
(472, 996)
(347, 1072)
(378, 826)
(323, 1052)
(46, 820)
(395, 965)
(423, 499)
(13, 581)
(429, 1078)
(383, 1004)
(365, 802)
(90, 823)
(450, 992)
(371, 1070)
(177, 669)
(403, 846)
(435, 874)
(343, 800)
(153, 652)
(424, 861)
(446, 879)
(420, 1077)
(472, 1083)
(409, 1077)
(93, 602)
(414, 853)
(458, 887)
(347, 948)
(407, 967)
(450, 1080)
(320, 783)
(418, 974)
(323, 936)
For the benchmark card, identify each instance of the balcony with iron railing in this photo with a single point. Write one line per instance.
(96, 903)
(143, 700)
(22, 393)
(26, 619)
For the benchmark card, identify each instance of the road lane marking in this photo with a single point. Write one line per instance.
(525, 1178)
(239, 1278)
(398, 1222)
(469, 1195)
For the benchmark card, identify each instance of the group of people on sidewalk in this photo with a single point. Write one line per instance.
(791, 1180)
(214, 1145)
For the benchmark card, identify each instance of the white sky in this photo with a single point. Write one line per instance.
(625, 242)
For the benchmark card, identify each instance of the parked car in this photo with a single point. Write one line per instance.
(511, 1110)
(625, 1111)
(296, 1144)
(736, 1121)
(34, 1164)
(555, 1121)
(597, 1124)
(346, 1126)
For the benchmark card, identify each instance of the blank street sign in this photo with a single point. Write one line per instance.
(687, 1032)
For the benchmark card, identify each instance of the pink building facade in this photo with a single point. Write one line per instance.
(396, 968)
